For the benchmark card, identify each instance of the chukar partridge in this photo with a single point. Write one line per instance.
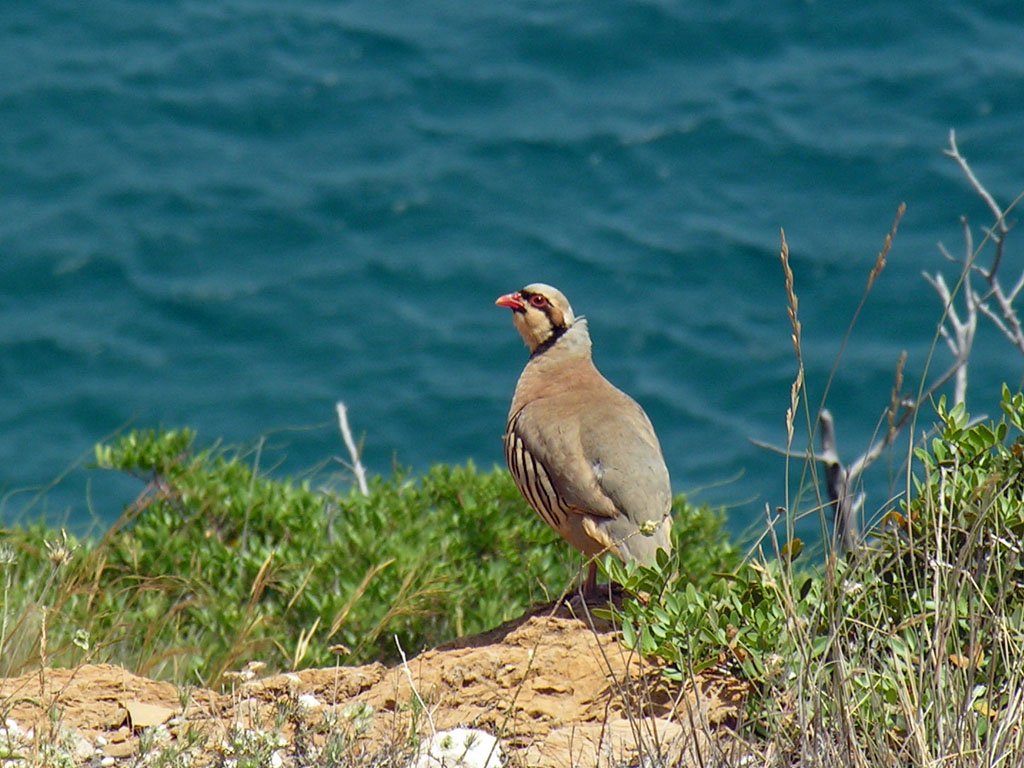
(582, 453)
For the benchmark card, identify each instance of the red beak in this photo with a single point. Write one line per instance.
(511, 300)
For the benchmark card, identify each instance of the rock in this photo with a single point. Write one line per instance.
(555, 690)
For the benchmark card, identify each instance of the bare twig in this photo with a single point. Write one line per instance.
(957, 329)
(960, 339)
(790, 453)
(910, 408)
(954, 152)
(837, 481)
(1005, 317)
(851, 474)
(346, 435)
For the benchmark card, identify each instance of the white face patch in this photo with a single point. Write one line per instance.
(598, 469)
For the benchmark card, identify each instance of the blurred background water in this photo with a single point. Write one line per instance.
(230, 214)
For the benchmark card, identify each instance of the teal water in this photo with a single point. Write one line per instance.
(229, 215)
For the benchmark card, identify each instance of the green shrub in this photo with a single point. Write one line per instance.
(216, 564)
(251, 567)
(908, 649)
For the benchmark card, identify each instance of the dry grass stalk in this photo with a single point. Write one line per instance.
(883, 254)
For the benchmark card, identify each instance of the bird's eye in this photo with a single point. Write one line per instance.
(539, 301)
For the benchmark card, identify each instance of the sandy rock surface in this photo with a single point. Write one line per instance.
(558, 691)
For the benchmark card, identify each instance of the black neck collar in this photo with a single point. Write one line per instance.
(544, 346)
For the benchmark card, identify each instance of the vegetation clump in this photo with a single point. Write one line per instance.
(217, 563)
(905, 651)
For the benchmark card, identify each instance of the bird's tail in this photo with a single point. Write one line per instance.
(642, 546)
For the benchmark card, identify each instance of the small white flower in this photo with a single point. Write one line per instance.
(307, 703)
(460, 748)
(7, 555)
(60, 550)
(12, 728)
(14, 735)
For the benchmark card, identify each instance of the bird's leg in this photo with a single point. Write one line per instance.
(590, 585)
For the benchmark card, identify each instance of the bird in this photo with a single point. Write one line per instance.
(582, 453)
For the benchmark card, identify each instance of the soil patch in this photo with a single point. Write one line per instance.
(558, 691)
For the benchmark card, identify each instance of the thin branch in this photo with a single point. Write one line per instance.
(837, 481)
(910, 408)
(984, 194)
(790, 453)
(1012, 328)
(997, 321)
(346, 435)
(865, 460)
(957, 328)
(961, 340)
(1016, 288)
(1008, 323)
(946, 254)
